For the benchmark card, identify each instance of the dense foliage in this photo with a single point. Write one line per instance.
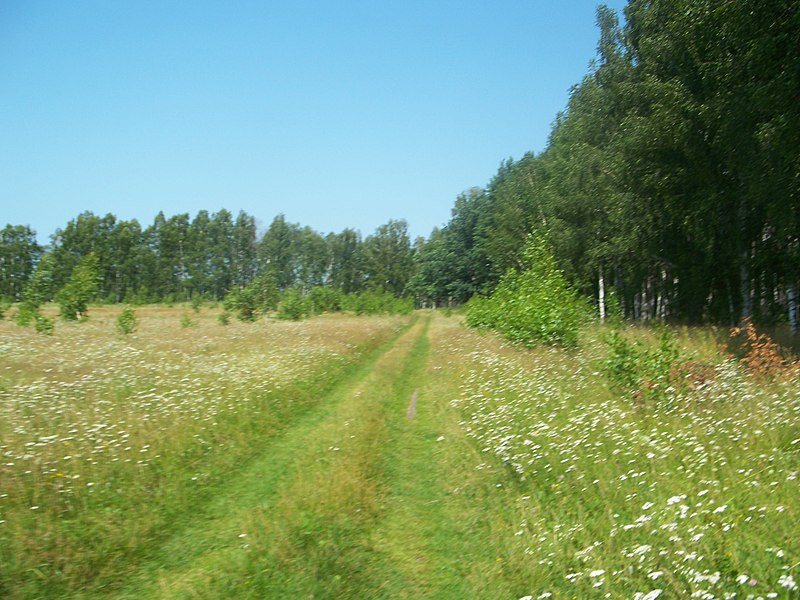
(532, 306)
(672, 177)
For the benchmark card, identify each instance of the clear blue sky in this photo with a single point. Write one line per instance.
(338, 114)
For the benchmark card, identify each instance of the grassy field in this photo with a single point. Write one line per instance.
(383, 457)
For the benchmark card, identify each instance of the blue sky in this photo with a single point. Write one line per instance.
(337, 114)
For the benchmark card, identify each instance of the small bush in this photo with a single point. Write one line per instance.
(187, 321)
(224, 318)
(325, 299)
(377, 303)
(293, 306)
(243, 303)
(4, 306)
(653, 374)
(82, 286)
(127, 322)
(26, 314)
(534, 306)
(250, 302)
(197, 303)
(758, 353)
(43, 324)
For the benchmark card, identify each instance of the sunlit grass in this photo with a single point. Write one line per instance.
(106, 439)
(696, 496)
(523, 474)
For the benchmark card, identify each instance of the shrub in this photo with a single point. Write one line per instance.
(375, 302)
(224, 318)
(249, 302)
(82, 287)
(533, 306)
(293, 305)
(757, 352)
(127, 321)
(325, 299)
(187, 321)
(243, 303)
(26, 314)
(43, 324)
(653, 374)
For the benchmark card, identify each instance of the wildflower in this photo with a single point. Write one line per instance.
(651, 595)
(787, 581)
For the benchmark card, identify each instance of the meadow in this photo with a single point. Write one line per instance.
(385, 457)
(107, 440)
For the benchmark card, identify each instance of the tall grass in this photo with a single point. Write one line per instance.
(106, 440)
(694, 494)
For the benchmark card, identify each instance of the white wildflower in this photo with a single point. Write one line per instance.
(597, 573)
(787, 581)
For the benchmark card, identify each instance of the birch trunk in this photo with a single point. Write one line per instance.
(602, 296)
(791, 294)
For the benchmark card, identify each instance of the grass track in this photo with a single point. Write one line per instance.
(359, 499)
(504, 481)
(431, 540)
(208, 558)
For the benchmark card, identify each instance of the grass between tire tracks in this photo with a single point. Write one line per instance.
(292, 523)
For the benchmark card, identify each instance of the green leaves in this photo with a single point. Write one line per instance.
(127, 322)
(533, 306)
(83, 286)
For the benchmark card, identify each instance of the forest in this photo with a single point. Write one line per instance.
(669, 189)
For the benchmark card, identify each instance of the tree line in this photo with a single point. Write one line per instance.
(670, 185)
(180, 258)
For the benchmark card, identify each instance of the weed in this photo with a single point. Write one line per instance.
(758, 353)
(127, 322)
(43, 324)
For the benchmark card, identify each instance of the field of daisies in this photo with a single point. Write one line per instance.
(642, 463)
(679, 486)
(106, 439)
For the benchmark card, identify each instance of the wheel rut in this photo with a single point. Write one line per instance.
(295, 519)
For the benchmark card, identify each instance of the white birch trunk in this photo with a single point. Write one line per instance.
(791, 294)
(602, 296)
